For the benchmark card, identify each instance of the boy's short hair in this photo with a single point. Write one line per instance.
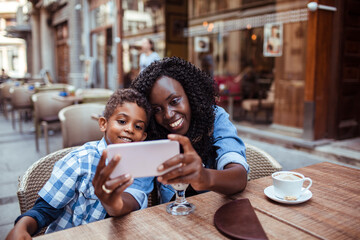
(126, 95)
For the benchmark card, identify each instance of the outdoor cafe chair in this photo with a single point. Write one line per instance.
(20, 102)
(5, 96)
(260, 162)
(35, 178)
(46, 109)
(78, 125)
(256, 105)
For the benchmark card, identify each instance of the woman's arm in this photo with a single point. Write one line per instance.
(231, 180)
(229, 147)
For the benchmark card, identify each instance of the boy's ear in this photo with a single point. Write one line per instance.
(102, 124)
(144, 136)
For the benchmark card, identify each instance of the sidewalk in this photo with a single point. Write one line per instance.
(17, 153)
(345, 152)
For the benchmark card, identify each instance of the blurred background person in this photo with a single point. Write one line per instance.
(207, 62)
(247, 80)
(3, 77)
(148, 54)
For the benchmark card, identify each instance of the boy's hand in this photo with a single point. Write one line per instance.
(111, 191)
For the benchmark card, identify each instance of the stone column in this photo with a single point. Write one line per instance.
(35, 44)
(47, 43)
(76, 77)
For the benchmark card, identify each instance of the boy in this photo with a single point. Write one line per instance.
(79, 190)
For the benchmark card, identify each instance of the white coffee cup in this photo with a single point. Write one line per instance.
(288, 185)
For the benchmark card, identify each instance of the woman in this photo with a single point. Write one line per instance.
(148, 54)
(183, 102)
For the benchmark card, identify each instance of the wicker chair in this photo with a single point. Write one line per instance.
(257, 105)
(35, 178)
(5, 96)
(21, 102)
(46, 109)
(261, 163)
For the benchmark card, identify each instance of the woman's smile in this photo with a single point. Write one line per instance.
(177, 124)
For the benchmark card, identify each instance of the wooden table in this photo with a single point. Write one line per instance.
(332, 213)
(88, 98)
(71, 99)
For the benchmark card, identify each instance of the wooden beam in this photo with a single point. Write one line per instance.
(318, 68)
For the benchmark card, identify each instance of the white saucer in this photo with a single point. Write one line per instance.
(269, 192)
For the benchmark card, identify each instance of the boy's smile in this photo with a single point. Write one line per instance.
(126, 124)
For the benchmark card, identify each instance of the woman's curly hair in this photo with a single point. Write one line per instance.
(200, 90)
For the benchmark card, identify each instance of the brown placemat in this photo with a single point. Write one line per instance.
(237, 219)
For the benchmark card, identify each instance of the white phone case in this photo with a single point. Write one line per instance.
(141, 159)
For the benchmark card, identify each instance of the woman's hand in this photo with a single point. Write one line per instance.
(232, 179)
(111, 191)
(190, 168)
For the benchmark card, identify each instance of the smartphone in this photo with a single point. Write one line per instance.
(141, 159)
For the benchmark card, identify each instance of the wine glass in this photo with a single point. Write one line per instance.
(180, 206)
